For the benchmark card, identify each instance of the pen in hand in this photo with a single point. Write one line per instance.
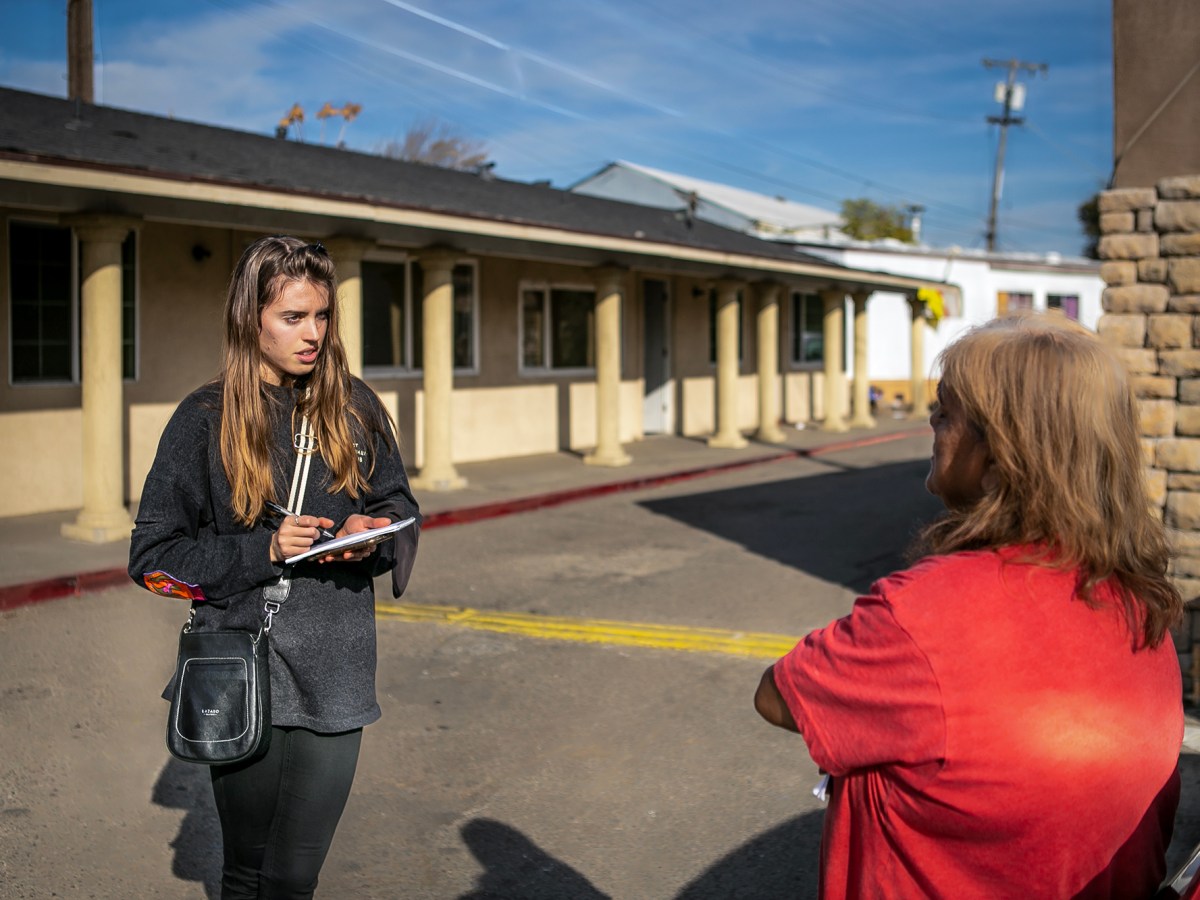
(284, 511)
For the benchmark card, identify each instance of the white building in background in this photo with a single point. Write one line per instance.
(770, 218)
(991, 283)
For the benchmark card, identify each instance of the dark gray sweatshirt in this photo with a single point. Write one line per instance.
(322, 643)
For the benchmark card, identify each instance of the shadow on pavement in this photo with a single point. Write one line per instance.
(197, 845)
(849, 527)
(515, 867)
(781, 862)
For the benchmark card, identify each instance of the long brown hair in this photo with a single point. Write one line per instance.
(1055, 407)
(246, 413)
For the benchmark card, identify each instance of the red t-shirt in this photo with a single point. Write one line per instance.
(990, 736)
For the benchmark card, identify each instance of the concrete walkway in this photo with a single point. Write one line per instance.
(37, 563)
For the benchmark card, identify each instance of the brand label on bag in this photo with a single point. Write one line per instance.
(210, 712)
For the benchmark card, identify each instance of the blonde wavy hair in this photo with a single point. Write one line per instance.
(336, 414)
(1058, 414)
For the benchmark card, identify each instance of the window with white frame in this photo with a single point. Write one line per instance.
(712, 325)
(808, 329)
(558, 325)
(393, 304)
(44, 304)
(1067, 303)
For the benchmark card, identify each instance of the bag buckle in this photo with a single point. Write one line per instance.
(269, 610)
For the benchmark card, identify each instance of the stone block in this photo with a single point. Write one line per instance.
(1117, 222)
(1180, 363)
(1177, 215)
(1123, 199)
(1183, 510)
(1187, 422)
(1156, 486)
(1156, 418)
(1144, 221)
(1184, 541)
(1152, 271)
(1136, 298)
(1118, 272)
(1184, 274)
(1140, 362)
(1186, 566)
(1122, 330)
(1128, 246)
(1183, 481)
(1149, 451)
(1189, 588)
(1153, 387)
(1184, 303)
(1169, 331)
(1179, 187)
(1189, 390)
(1170, 245)
(1178, 454)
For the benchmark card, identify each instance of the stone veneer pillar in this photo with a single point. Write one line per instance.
(1150, 247)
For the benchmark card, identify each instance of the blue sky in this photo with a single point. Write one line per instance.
(814, 100)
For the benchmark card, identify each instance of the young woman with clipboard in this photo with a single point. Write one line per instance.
(205, 531)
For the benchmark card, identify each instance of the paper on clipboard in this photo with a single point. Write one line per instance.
(370, 537)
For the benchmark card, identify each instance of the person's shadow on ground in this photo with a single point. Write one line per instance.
(780, 862)
(197, 845)
(514, 866)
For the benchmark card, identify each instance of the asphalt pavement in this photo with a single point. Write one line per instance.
(512, 760)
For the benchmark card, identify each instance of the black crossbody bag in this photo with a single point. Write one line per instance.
(221, 696)
(221, 700)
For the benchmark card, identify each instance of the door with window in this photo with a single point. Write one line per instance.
(657, 411)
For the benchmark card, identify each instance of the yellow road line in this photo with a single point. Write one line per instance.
(597, 631)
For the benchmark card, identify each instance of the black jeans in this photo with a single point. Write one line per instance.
(279, 812)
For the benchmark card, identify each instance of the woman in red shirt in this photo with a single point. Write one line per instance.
(1004, 718)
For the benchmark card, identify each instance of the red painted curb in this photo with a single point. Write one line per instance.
(14, 595)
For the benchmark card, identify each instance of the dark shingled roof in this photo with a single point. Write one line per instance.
(57, 131)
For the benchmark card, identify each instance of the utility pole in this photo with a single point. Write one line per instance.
(79, 51)
(1012, 95)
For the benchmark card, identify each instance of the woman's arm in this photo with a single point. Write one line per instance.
(770, 704)
(175, 534)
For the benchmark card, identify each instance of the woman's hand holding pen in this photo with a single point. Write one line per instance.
(297, 533)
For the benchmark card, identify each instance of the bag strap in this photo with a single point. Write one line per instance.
(275, 594)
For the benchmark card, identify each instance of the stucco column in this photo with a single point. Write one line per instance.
(769, 408)
(438, 473)
(608, 450)
(104, 517)
(347, 254)
(834, 302)
(862, 387)
(728, 310)
(920, 401)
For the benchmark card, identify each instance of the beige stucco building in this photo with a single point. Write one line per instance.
(495, 318)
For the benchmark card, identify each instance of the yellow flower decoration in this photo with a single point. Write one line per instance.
(935, 305)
